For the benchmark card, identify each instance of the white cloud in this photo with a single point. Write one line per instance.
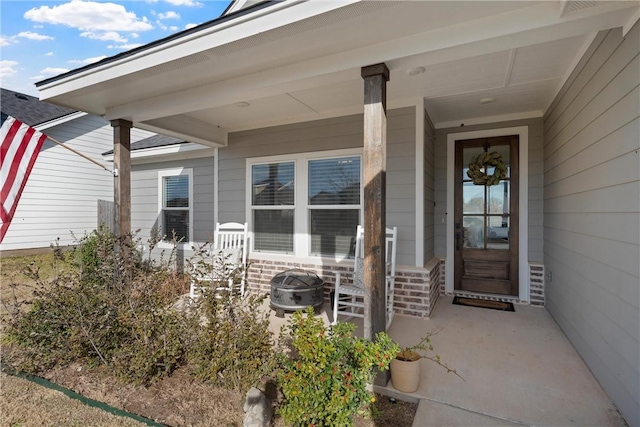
(89, 16)
(190, 25)
(8, 68)
(53, 71)
(48, 54)
(106, 36)
(37, 78)
(5, 41)
(169, 15)
(87, 61)
(125, 46)
(173, 28)
(189, 3)
(33, 36)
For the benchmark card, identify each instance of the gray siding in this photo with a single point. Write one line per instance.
(591, 214)
(62, 192)
(144, 196)
(321, 135)
(429, 189)
(534, 155)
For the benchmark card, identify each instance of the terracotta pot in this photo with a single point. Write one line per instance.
(405, 372)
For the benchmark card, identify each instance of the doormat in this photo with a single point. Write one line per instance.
(483, 303)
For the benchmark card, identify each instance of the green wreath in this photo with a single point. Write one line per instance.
(479, 177)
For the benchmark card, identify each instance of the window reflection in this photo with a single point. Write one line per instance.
(486, 209)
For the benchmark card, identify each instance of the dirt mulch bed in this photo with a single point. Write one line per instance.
(175, 401)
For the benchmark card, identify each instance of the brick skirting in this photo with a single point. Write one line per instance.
(416, 289)
(414, 295)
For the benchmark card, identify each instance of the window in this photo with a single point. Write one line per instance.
(305, 204)
(176, 204)
(272, 199)
(334, 205)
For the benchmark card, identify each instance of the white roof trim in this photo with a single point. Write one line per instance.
(241, 27)
(176, 150)
(59, 121)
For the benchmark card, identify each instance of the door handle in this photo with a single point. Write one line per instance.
(458, 234)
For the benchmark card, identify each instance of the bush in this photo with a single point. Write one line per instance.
(112, 310)
(235, 348)
(324, 379)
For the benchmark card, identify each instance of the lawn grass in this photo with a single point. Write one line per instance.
(21, 276)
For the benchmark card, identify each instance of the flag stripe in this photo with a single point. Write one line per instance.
(19, 148)
(13, 125)
(23, 170)
(25, 142)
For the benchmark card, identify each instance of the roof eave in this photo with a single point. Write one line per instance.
(158, 43)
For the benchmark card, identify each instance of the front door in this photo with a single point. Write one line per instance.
(486, 215)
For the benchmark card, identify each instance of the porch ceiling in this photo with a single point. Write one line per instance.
(295, 61)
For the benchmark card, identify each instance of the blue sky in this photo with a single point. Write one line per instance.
(41, 39)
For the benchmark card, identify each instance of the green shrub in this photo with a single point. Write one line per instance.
(235, 348)
(324, 379)
(111, 310)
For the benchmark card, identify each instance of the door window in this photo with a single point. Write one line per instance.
(485, 208)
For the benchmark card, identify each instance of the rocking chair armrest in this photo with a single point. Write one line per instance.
(338, 275)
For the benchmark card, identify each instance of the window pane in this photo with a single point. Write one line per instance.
(333, 231)
(469, 155)
(334, 181)
(473, 231)
(498, 232)
(273, 184)
(176, 221)
(273, 230)
(176, 191)
(499, 198)
(472, 198)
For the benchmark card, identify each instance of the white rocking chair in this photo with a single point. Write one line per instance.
(348, 299)
(228, 257)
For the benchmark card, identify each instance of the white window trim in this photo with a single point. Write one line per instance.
(175, 172)
(523, 248)
(302, 239)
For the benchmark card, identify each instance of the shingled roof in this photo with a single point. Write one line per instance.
(154, 141)
(29, 109)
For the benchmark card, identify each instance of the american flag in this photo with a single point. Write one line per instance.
(20, 146)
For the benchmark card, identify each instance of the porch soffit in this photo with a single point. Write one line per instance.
(520, 52)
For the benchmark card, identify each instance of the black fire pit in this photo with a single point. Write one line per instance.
(296, 290)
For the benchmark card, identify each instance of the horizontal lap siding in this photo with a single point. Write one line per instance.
(61, 195)
(144, 196)
(591, 214)
(401, 189)
(322, 135)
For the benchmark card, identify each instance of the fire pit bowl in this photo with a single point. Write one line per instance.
(296, 290)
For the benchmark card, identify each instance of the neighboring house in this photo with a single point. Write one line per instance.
(277, 89)
(61, 196)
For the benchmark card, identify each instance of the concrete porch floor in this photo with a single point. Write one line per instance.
(518, 368)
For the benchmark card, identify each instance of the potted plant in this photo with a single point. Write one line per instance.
(405, 368)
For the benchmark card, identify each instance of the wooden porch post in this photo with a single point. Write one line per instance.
(122, 180)
(375, 165)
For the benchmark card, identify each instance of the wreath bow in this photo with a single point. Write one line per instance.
(488, 159)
